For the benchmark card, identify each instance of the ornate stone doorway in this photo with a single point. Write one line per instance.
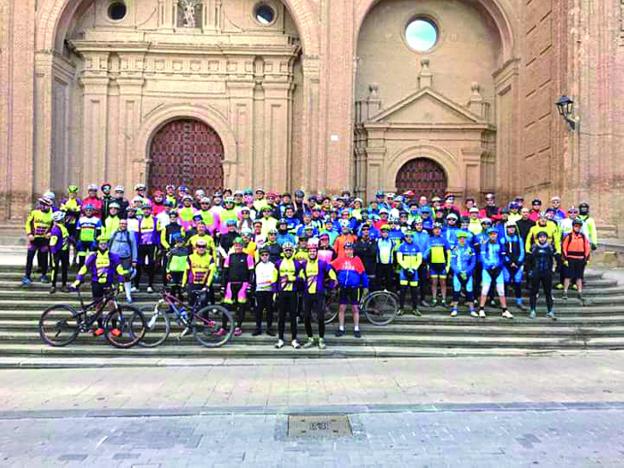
(186, 152)
(423, 176)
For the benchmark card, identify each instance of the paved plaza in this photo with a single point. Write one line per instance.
(564, 410)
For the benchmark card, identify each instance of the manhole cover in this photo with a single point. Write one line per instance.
(319, 426)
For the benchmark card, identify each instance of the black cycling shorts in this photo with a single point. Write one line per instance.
(349, 296)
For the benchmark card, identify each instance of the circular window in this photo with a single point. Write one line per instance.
(264, 14)
(117, 11)
(421, 34)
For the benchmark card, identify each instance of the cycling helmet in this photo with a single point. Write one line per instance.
(92, 187)
(324, 235)
(102, 238)
(245, 209)
(282, 221)
(536, 201)
(514, 206)
(452, 216)
(583, 206)
(418, 220)
(437, 225)
(474, 209)
(312, 244)
(272, 231)
(169, 203)
(200, 193)
(238, 193)
(246, 232)
(202, 243)
(461, 234)
(173, 212)
(49, 194)
(187, 197)
(138, 187)
(299, 193)
(204, 200)
(542, 215)
(425, 210)
(183, 188)
(228, 200)
(137, 199)
(385, 227)
(288, 246)
(147, 206)
(248, 192)
(349, 245)
(379, 194)
(169, 186)
(198, 217)
(542, 234)
(230, 222)
(72, 189)
(58, 216)
(577, 221)
(120, 188)
(264, 251)
(491, 231)
(238, 240)
(106, 186)
(486, 221)
(260, 190)
(89, 206)
(114, 205)
(409, 233)
(512, 224)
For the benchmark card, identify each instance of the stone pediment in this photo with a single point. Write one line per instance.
(426, 106)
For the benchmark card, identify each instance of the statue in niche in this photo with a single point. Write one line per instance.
(189, 12)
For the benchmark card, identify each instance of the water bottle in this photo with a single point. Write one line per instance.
(183, 314)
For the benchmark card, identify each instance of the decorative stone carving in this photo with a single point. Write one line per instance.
(425, 77)
(189, 12)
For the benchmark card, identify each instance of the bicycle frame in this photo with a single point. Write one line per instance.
(174, 302)
(98, 305)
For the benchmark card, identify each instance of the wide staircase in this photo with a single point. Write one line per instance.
(597, 326)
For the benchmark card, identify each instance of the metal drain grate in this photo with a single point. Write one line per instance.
(319, 426)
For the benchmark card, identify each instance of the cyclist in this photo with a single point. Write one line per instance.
(549, 227)
(111, 222)
(463, 262)
(352, 279)
(541, 263)
(266, 276)
(439, 259)
(325, 250)
(93, 200)
(176, 261)
(38, 225)
(105, 269)
(576, 252)
(107, 199)
(513, 269)
(238, 273)
(421, 239)
(199, 273)
(123, 243)
(493, 258)
(315, 273)
(203, 234)
(72, 206)
(366, 248)
(288, 271)
(149, 235)
(59, 248)
(275, 250)
(119, 198)
(385, 260)
(589, 225)
(409, 258)
(88, 229)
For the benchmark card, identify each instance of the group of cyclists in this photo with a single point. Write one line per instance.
(273, 252)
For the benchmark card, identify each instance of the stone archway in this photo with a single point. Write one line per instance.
(186, 152)
(423, 176)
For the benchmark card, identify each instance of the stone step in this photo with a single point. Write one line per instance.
(431, 318)
(38, 355)
(540, 342)
(530, 328)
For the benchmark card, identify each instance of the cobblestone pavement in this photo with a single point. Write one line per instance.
(308, 383)
(473, 435)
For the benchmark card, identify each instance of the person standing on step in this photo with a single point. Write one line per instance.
(38, 226)
(199, 274)
(439, 258)
(317, 275)
(88, 229)
(513, 270)
(288, 271)
(463, 262)
(576, 251)
(123, 243)
(266, 276)
(238, 275)
(409, 258)
(493, 257)
(352, 280)
(149, 238)
(59, 249)
(541, 265)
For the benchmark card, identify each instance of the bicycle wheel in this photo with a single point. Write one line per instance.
(331, 308)
(128, 321)
(59, 325)
(380, 307)
(206, 325)
(158, 325)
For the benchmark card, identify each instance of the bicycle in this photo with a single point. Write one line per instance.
(203, 321)
(60, 324)
(379, 307)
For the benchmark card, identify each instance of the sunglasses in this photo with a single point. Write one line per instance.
(266, 254)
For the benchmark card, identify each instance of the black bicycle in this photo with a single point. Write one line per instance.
(124, 325)
(379, 307)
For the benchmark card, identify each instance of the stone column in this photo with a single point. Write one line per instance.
(313, 168)
(277, 131)
(375, 161)
(130, 167)
(95, 119)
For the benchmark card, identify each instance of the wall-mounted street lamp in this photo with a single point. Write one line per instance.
(565, 105)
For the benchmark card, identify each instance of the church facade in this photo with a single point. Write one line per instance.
(363, 95)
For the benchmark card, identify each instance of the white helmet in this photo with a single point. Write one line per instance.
(58, 216)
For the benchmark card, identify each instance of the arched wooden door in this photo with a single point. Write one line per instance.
(186, 152)
(423, 176)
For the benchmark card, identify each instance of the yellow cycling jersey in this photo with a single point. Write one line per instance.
(200, 270)
(552, 231)
(39, 223)
(287, 274)
(211, 248)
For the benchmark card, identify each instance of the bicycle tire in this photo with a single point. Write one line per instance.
(331, 308)
(66, 316)
(380, 308)
(133, 326)
(207, 321)
(158, 325)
